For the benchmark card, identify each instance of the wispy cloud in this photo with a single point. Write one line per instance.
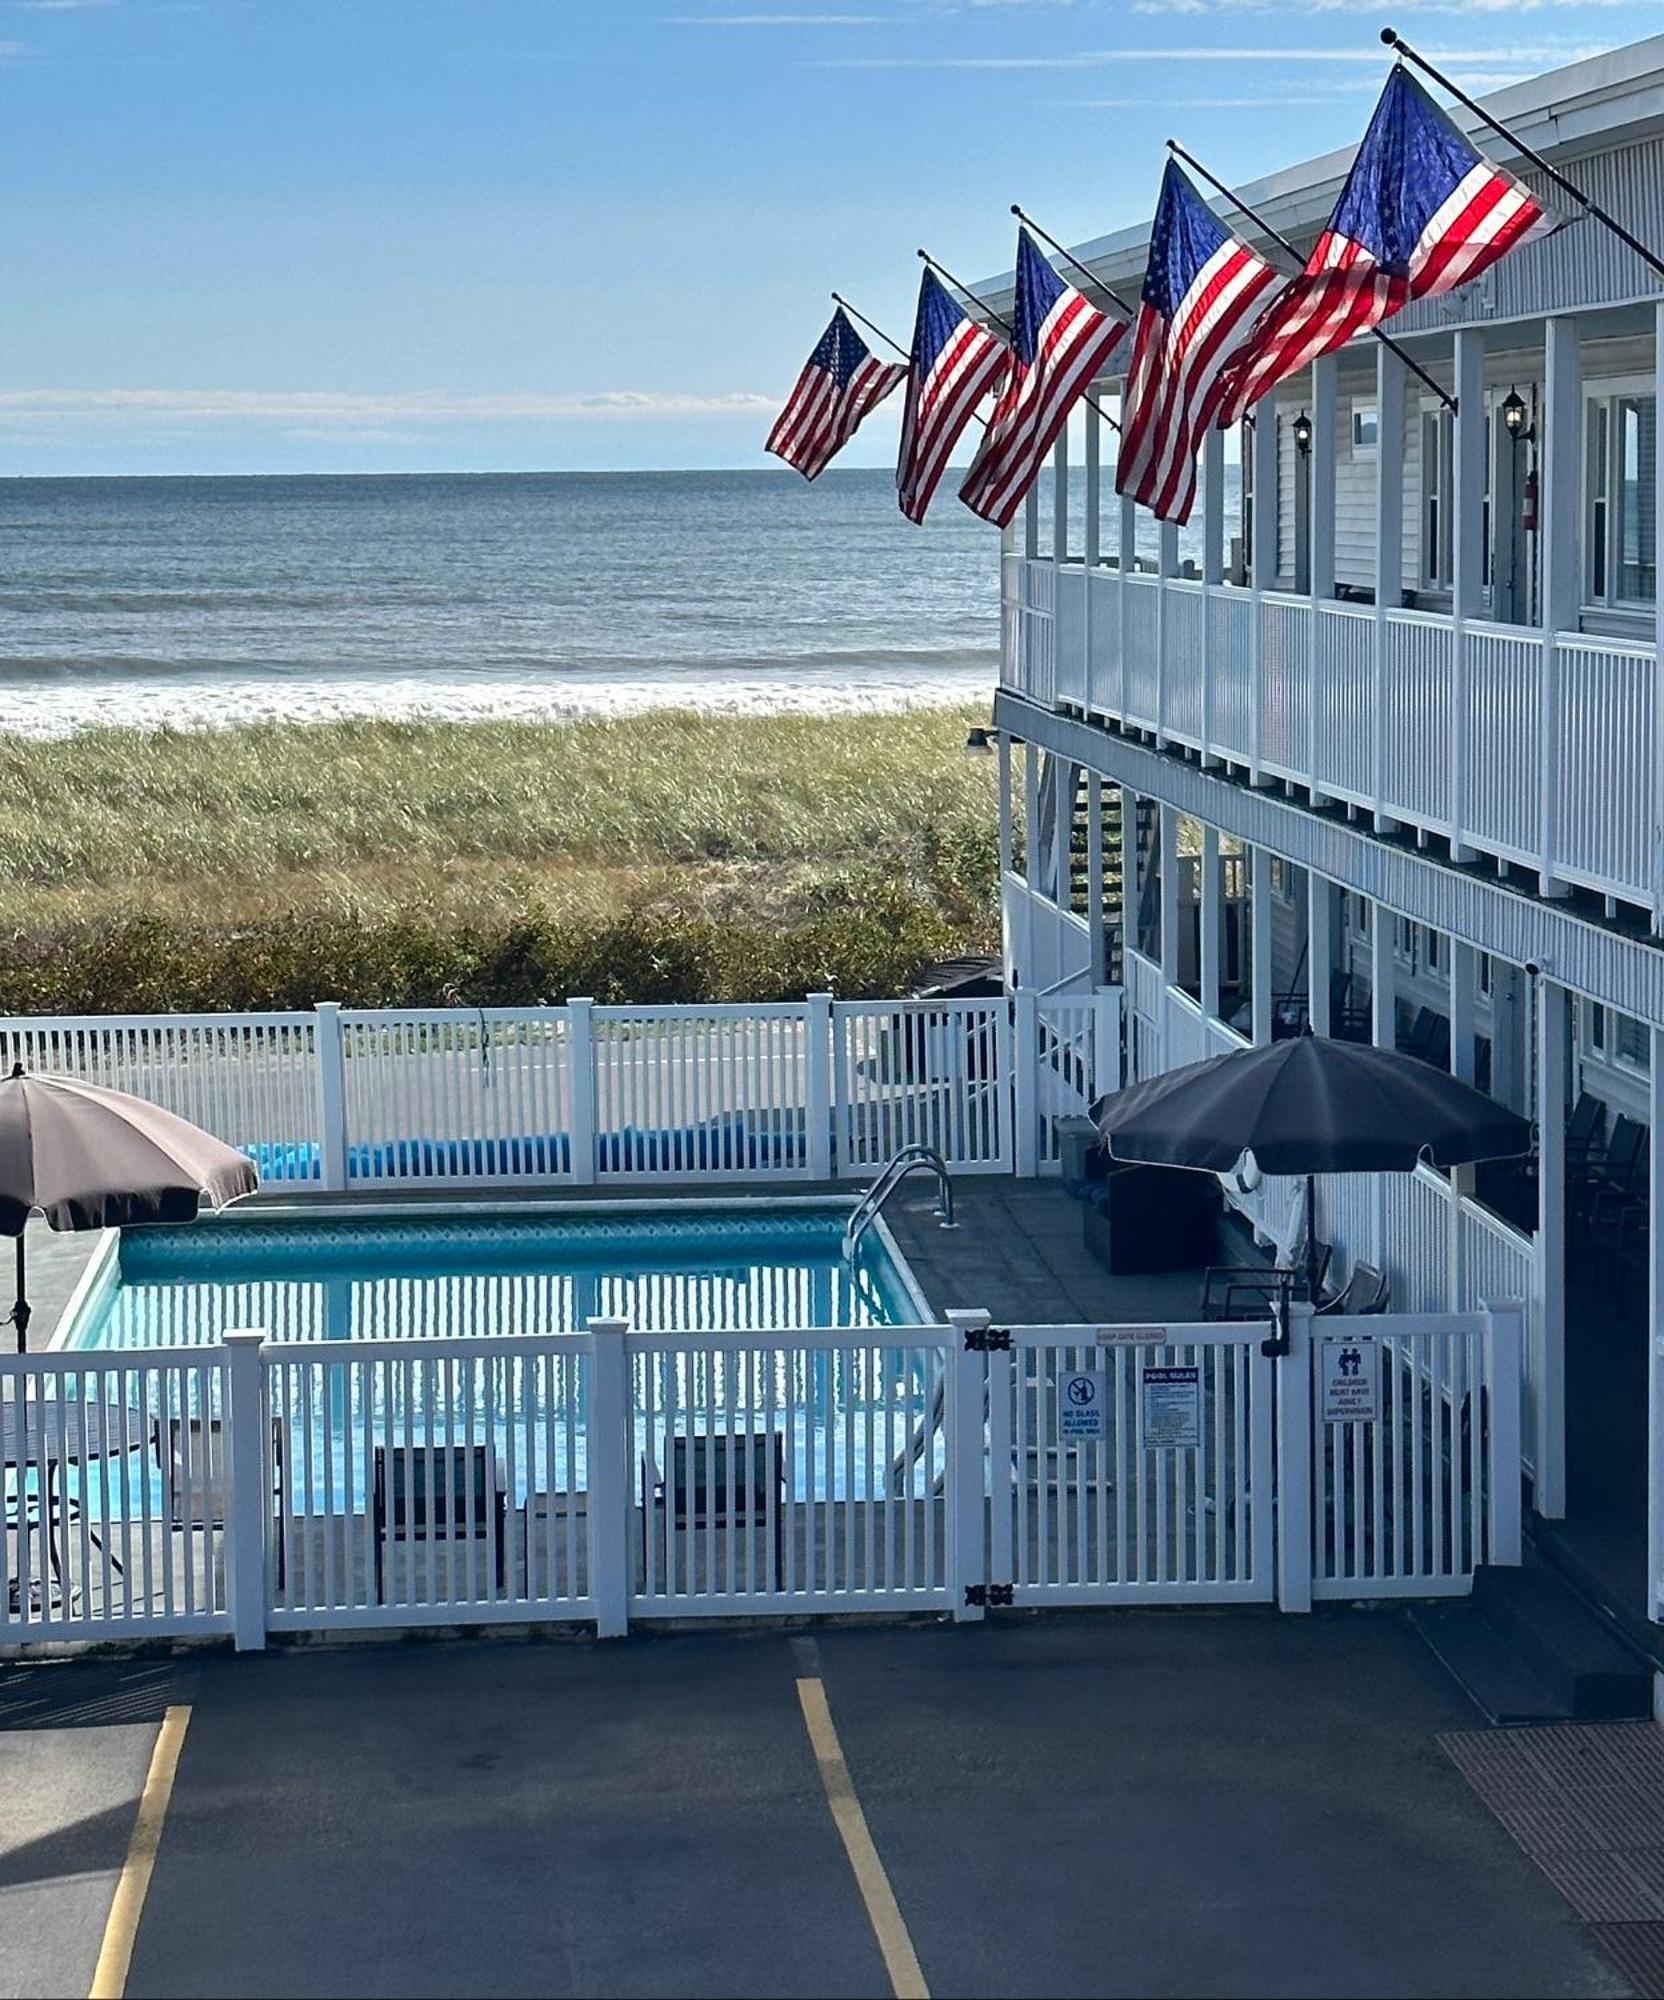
(1373, 7)
(776, 20)
(321, 413)
(1542, 55)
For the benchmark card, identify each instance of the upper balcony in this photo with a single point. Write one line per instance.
(1498, 696)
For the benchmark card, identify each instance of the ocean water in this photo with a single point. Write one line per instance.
(192, 603)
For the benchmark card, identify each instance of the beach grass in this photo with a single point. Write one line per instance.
(403, 855)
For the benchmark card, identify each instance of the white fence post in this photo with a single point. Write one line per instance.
(817, 1085)
(610, 1471)
(1295, 1448)
(332, 1094)
(1504, 1355)
(1024, 1095)
(580, 1057)
(247, 1488)
(1106, 1041)
(967, 1541)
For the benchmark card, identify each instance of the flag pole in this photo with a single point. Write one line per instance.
(1277, 237)
(871, 326)
(1004, 326)
(1069, 257)
(1402, 48)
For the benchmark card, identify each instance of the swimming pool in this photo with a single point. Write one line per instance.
(442, 1272)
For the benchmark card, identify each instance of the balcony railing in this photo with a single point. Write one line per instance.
(1532, 749)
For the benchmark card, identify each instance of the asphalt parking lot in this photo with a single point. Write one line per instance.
(1120, 1804)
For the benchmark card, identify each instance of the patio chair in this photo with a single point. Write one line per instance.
(1614, 1178)
(722, 1478)
(444, 1493)
(190, 1455)
(1245, 1291)
(1585, 1132)
(1366, 1290)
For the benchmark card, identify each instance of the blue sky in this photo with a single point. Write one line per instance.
(282, 235)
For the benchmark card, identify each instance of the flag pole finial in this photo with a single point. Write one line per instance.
(1390, 37)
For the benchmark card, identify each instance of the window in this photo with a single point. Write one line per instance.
(1282, 879)
(1437, 450)
(1365, 427)
(1618, 1038)
(1619, 500)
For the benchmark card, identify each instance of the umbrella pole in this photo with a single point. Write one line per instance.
(20, 1311)
(1311, 1238)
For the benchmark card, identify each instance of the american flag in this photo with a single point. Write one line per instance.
(841, 381)
(1421, 213)
(1203, 291)
(955, 364)
(1059, 343)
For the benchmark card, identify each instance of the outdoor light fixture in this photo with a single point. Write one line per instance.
(980, 743)
(1516, 418)
(1302, 433)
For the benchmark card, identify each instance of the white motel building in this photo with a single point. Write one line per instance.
(1380, 751)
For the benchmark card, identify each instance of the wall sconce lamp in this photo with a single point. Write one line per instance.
(1302, 434)
(1516, 418)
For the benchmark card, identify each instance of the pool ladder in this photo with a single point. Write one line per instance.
(910, 1160)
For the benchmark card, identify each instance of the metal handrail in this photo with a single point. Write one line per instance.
(907, 1161)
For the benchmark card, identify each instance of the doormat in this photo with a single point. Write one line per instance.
(1586, 1802)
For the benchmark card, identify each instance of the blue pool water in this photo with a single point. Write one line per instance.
(300, 1278)
(844, 1415)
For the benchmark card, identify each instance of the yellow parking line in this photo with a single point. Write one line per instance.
(115, 1957)
(883, 1912)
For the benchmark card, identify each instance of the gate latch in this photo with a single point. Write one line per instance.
(989, 1596)
(987, 1340)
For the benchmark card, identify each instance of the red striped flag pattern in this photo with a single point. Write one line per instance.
(1421, 213)
(955, 364)
(1203, 291)
(1059, 344)
(841, 381)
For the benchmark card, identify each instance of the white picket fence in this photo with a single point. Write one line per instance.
(440, 1097)
(261, 1487)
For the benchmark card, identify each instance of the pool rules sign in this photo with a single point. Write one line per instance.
(1349, 1369)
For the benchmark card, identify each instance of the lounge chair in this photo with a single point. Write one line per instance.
(449, 1494)
(190, 1455)
(735, 1478)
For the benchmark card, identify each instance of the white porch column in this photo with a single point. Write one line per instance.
(1658, 671)
(1325, 455)
(1063, 817)
(1389, 553)
(1002, 751)
(1464, 968)
(1549, 1274)
(1169, 895)
(1212, 926)
(1467, 546)
(1560, 544)
(1383, 978)
(1320, 950)
(1031, 522)
(1060, 496)
(1095, 913)
(1259, 918)
(1031, 816)
(1655, 1332)
(1213, 507)
(1126, 545)
(1265, 564)
(1092, 472)
(1167, 566)
(1132, 869)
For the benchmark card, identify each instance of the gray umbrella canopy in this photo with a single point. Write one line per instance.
(90, 1158)
(1309, 1106)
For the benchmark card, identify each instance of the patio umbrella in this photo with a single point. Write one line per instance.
(90, 1158)
(1309, 1106)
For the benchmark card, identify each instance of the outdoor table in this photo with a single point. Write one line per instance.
(54, 1435)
